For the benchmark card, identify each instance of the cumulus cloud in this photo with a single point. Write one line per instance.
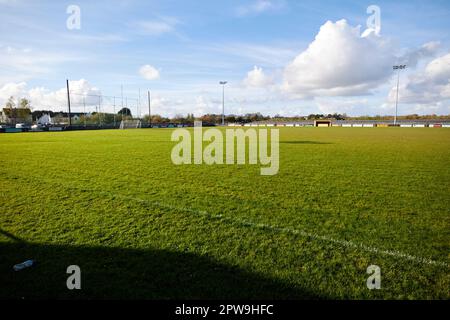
(256, 78)
(340, 62)
(149, 72)
(343, 62)
(199, 105)
(335, 105)
(429, 86)
(163, 106)
(412, 57)
(204, 105)
(12, 90)
(42, 98)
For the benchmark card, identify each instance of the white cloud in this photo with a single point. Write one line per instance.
(335, 105)
(343, 62)
(23, 63)
(12, 90)
(256, 78)
(430, 86)
(198, 105)
(258, 7)
(204, 105)
(149, 72)
(156, 27)
(435, 108)
(339, 62)
(42, 98)
(412, 57)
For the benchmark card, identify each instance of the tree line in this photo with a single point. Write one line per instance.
(23, 109)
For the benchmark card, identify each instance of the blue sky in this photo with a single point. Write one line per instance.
(184, 48)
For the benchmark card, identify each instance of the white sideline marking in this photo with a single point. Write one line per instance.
(345, 243)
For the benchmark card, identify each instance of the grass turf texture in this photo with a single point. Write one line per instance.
(113, 203)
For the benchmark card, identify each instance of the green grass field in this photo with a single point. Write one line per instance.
(138, 226)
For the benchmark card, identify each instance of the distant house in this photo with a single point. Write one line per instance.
(44, 120)
(12, 116)
(58, 117)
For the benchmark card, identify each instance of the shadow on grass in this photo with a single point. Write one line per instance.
(303, 142)
(11, 236)
(114, 273)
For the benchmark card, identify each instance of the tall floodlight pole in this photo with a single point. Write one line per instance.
(100, 110)
(398, 68)
(139, 105)
(84, 109)
(223, 83)
(68, 102)
(114, 111)
(149, 109)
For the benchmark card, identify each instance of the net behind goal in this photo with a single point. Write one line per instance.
(130, 124)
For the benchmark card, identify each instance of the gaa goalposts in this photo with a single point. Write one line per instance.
(130, 124)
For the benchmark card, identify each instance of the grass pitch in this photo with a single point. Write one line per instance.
(138, 226)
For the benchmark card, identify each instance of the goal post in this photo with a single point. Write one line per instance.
(322, 123)
(130, 124)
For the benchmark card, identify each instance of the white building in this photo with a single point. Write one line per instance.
(45, 119)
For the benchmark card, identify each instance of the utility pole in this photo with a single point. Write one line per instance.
(149, 109)
(68, 102)
(223, 83)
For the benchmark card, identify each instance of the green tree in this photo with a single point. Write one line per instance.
(24, 104)
(10, 103)
(125, 112)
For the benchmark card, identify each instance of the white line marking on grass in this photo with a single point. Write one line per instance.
(344, 243)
